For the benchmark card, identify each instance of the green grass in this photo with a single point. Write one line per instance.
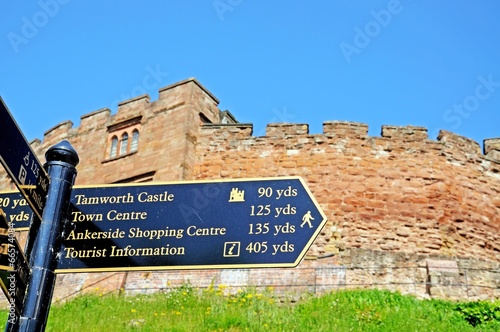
(212, 309)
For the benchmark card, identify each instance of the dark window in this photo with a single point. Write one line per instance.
(135, 141)
(114, 146)
(124, 144)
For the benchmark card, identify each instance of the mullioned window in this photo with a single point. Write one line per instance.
(123, 138)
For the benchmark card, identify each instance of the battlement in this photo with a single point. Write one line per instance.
(391, 137)
(188, 91)
(492, 148)
(132, 107)
(408, 133)
(167, 91)
(59, 131)
(345, 129)
(217, 123)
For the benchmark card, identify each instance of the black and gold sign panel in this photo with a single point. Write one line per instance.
(190, 225)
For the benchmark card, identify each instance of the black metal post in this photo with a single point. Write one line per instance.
(61, 166)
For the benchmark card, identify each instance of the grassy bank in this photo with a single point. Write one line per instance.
(188, 309)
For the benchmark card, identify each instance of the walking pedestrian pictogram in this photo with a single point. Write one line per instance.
(306, 219)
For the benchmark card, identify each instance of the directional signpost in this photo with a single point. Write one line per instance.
(245, 223)
(190, 225)
(25, 170)
(29, 310)
(21, 163)
(18, 212)
(187, 225)
(14, 271)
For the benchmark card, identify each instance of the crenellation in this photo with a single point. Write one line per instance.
(345, 129)
(96, 119)
(35, 143)
(172, 90)
(191, 91)
(491, 144)
(407, 133)
(392, 137)
(494, 155)
(277, 130)
(135, 101)
(492, 148)
(459, 150)
(131, 108)
(58, 132)
(173, 94)
(462, 143)
(226, 117)
(213, 131)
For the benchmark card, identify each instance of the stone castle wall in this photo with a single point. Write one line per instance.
(396, 204)
(399, 192)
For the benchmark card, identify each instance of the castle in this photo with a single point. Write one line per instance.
(405, 212)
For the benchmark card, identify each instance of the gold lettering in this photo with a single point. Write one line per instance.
(88, 235)
(123, 199)
(129, 251)
(155, 234)
(79, 216)
(212, 231)
(145, 197)
(115, 215)
(71, 252)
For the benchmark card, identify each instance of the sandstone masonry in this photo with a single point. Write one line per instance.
(396, 204)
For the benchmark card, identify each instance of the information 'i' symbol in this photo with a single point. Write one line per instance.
(230, 251)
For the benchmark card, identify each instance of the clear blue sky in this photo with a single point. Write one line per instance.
(410, 62)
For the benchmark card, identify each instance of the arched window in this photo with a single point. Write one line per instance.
(114, 146)
(135, 141)
(124, 144)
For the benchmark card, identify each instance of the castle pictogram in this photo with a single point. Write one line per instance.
(237, 195)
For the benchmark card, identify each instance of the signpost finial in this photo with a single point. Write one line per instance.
(64, 152)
